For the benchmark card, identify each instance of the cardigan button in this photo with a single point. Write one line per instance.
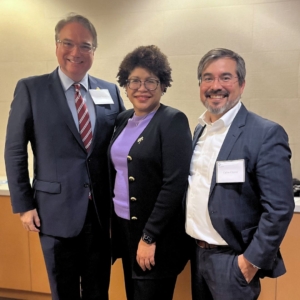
(133, 199)
(131, 178)
(129, 158)
(134, 218)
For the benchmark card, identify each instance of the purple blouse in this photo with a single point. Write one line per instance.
(119, 152)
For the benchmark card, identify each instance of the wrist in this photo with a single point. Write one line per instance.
(147, 239)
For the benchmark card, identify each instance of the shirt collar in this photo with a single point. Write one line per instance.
(225, 120)
(68, 82)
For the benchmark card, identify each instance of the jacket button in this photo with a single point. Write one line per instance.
(132, 198)
(86, 185)
(129, 158)
(134, 218)
(131, 178)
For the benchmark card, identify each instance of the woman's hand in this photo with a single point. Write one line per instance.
(145, 255)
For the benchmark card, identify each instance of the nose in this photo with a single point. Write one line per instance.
(142, 87)
(216, 84)
(75, 51)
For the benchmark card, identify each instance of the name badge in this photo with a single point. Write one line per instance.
(230, 171)
(101, 96)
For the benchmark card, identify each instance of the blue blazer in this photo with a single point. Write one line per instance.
(253, 216)
(64, 173)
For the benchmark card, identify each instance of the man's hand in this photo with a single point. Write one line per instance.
(246, 268)
(30, 220)
(145, 255)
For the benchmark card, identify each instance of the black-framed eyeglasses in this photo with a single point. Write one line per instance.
(224, 80)
(83, 48)
(149, 84)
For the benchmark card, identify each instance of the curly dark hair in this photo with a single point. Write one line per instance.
(147, 57)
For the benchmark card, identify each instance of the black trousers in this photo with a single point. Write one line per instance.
(142, 289)
(79, 267)
(217, 276)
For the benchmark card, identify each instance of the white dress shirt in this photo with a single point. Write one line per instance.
(198, 222)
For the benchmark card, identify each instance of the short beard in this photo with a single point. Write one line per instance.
(221, 110)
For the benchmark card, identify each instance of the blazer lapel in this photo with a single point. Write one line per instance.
(233, 134)
(197, 133)
(59, 98)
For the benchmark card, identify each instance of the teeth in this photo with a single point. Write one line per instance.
(74, 62)
(217, 96)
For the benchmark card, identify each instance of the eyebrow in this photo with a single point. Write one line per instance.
(136, 77)
(83, 43)
(225, 73)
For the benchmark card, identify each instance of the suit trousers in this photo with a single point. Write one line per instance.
(79, 267)
(141, 288)
(217, 276)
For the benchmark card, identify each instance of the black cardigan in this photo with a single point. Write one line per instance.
(159, 163)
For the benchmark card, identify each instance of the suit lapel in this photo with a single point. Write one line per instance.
(233, 134)
(61, 104)
(198, 131)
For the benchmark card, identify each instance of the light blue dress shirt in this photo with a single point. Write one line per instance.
(67, 84)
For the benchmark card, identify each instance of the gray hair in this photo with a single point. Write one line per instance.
(217, 53)
(73, 18)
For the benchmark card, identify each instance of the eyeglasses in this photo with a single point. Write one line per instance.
(83, 48)
(224, 80)
(149, 84)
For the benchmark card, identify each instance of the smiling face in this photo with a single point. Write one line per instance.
(218, 98)
(73, 63)
(143, 100)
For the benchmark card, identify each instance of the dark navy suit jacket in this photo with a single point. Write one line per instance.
(253, 216)
(64, 173)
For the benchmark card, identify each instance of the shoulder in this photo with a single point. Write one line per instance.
(258, 127)
(34, 79)
(167, 113)
(261, 123)
(102, 82)
(124, 116)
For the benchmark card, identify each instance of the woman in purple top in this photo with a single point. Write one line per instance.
(150, 155)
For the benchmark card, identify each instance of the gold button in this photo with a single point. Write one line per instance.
(131, 178)
(133, 199)
(129, 158)
(133, 218)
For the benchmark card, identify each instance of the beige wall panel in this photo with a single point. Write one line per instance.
(268, 84)
(284, 111)
(295, 147)
(51, 64)
(8, 80)
(4, 107)
(106, 68)
(184, 74)
(128, 32)
(13, 8)
(2, 165)
(271, 61)
(276, 26)
(194, 32)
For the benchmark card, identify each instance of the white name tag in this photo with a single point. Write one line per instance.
(101, 96)
(230, 171)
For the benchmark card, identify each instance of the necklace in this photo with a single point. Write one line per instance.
(137, 120)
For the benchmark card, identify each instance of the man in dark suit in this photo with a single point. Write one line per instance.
(240, 197)
(69, 129)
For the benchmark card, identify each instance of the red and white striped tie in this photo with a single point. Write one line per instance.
(85, 127)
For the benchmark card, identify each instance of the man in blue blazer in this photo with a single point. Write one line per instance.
(68, 201)
(240, 197)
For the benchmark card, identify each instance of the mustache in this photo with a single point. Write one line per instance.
(217, 92)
